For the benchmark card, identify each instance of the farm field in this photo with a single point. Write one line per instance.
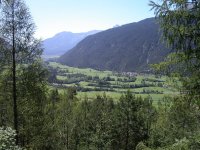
(89, 82)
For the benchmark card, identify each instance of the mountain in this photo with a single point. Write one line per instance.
(131, 47)
(63, 41)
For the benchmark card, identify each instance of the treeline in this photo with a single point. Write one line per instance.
(62, 121)
(130, 123)
(100, 123)
(78, 77)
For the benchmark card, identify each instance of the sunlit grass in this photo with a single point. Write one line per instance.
(156, 92)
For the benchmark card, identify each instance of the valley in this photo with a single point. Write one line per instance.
(95, 86)
(89, 82)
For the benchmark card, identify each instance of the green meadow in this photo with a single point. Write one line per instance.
(90, 82)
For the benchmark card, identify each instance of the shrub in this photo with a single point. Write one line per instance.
(7, 139)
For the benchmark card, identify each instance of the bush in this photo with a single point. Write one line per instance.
(141, 146)
(7, 139)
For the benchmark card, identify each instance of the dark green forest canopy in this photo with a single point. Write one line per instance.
(179, 20)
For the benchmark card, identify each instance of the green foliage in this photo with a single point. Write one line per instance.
(31, 104)
(179, 22)
(177, 126)
(23, 84)
(184, 116)
(95, 124)
(182, 144)
(142, 146)
(7, 139)
(131, 121)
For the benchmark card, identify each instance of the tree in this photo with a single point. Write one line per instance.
(65, 118)
(101, 121)
(84, 112)
(7, 139)
(50, 125)
(22, 48)
(32, 100)
(179, 21)
(130, 121)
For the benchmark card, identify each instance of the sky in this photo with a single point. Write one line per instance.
(54, 16)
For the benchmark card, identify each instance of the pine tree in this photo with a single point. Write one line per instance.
(131, 123)
(179, 21)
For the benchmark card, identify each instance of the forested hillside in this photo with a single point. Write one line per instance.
(130, 47)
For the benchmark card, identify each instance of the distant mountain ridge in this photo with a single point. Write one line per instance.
(63, 41)
(130, 47)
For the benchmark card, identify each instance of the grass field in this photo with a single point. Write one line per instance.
(91, 83)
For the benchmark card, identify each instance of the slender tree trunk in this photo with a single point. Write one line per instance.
(67, 138)
(127, 136)
(127, 130)
(15, 95)
(53, 115)
(14, 75)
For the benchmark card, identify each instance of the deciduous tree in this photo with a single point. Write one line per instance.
(17, 29)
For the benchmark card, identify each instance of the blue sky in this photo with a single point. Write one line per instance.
(53, 16)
